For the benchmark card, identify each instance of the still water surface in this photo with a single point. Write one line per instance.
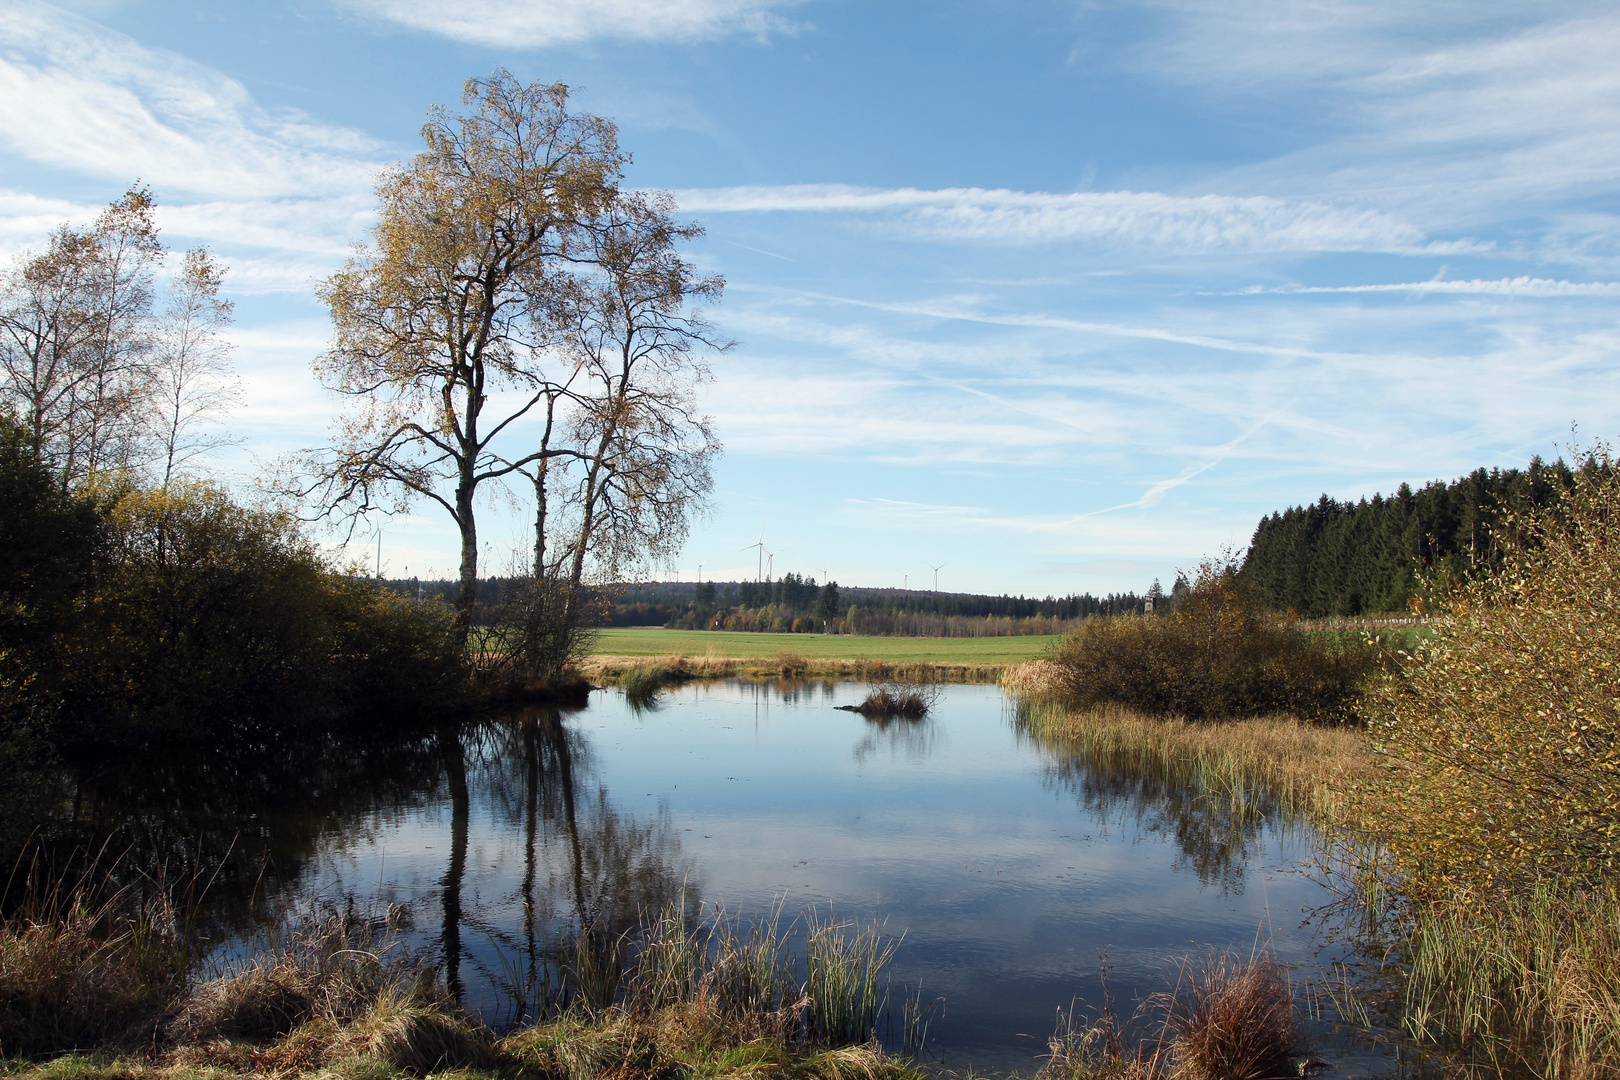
(1007, 868)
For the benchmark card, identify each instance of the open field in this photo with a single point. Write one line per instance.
(725, 644)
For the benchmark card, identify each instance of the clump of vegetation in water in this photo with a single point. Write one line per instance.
(898, 701)
(1216, 654)
(1497, 803)
(1227, 1018)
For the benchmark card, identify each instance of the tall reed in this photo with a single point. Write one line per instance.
(1530, 986)
(85, 961)
(846, 987)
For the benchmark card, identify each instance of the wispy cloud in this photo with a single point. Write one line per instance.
(82, 97)
(1451, 116)
(540, 23)
(279, 194)
(1187, 223)
(1515, 286)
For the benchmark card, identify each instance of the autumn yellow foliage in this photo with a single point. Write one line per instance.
(1499, 745)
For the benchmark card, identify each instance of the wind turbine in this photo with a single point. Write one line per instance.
(770, 562)
(936, 576)
(760, 544)
(826, 574)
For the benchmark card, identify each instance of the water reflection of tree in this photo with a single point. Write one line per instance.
(914, 738)
(1216, 826)
(242, 821)
(590, 871)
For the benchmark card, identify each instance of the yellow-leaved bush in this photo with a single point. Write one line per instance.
(1499, 743)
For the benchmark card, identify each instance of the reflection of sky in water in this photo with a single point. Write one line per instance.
(1005, 877)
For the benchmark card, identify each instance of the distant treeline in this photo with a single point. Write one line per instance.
(1344, 558)
(796, 603)
(801, 593)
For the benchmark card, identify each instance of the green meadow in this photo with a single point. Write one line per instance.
(726, 644)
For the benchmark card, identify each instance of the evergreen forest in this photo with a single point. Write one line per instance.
(1373, 556)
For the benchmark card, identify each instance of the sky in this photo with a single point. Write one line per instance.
(1055, 296)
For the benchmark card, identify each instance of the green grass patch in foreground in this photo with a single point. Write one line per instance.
(729, 644)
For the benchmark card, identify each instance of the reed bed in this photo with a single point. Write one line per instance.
(1528, 987)
(1305, 769)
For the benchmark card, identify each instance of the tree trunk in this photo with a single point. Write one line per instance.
(468, 595)
(540, 506)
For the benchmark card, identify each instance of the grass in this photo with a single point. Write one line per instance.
(1229, 1018)
(337, 997)
(1529, 986)
(1306, 769)
(732, 645)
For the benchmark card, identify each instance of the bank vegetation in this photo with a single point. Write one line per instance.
(1469, 785)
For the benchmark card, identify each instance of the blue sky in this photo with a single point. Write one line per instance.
(1061, 295)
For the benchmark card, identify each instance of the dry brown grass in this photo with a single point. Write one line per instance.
(1228, 1018)
(85, 967)
(1233, 1019)
(1305, 767)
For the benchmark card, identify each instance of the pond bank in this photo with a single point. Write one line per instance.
(626, 671)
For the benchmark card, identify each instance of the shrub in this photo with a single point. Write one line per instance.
(1500, 746)
(202, 607)
(1217, 654)
(389, 655)
(206, 615)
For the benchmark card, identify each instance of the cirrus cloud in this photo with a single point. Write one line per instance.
(541, 23)
(1151, 219)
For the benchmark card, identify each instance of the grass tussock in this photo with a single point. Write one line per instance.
(1228, 1019)
(84, 967)
(1233, 1019)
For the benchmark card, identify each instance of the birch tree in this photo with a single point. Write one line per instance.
(642, 448)
(191, 384)
(442, 323)
(75, 337)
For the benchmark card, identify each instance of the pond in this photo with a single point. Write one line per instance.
(1007, 869)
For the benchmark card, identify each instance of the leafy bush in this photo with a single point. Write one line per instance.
(202, 607)
(1501, 745)
(390, 655)
(49, 538)
(197, 615)
(1216, 654)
